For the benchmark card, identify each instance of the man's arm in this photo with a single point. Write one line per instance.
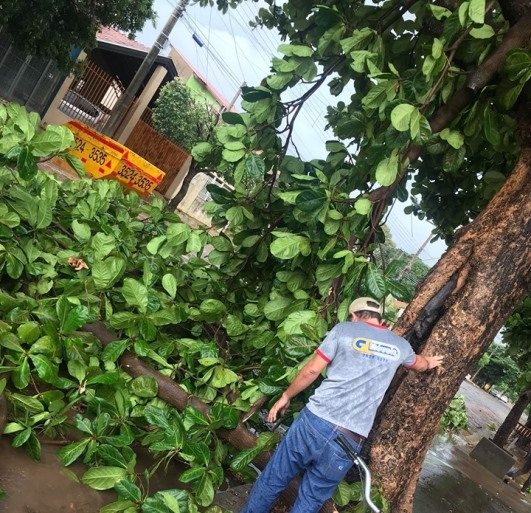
(424, 363)
(307, 375)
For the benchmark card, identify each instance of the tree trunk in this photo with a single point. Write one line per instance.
(183, 191)
(458, 309)
(502, 435)
(169, 391)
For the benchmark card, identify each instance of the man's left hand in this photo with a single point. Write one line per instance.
(280, 406)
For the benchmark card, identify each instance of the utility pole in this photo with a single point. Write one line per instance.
(409, 265)
(126, 99)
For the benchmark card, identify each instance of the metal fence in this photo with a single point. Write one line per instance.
(24, 78)
(92, 96)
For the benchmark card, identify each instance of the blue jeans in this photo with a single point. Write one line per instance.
(309, 449)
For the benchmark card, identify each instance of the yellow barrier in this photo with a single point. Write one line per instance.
(103, 157)
(137, 173)
(100, 155)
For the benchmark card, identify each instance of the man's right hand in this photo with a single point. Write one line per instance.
(280, 406)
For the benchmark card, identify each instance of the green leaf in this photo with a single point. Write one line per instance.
(476, 11)
(201, 151)
(374, 282)
(135, 294)
(287, 245)
(21, 438)
(518, 65)
(401, 116)
(106, 273)
(484, 32)
(192, 474)
(232, 118)
(71, 452)
(144, 386)
(240, 461)
(46, 370)
(276, 309)
(155, 416)
(195, 416)
(169, 284)
(454, 138)
(298, 50)
(223, 377)
(387, 170)
(205, 491)
(103, 478)
(118, 506)
(21, 374)
(77, 369)
(27, 403)
(75, 163)
(52, 140)
(29, 332)
(232, 156)
(342, 495)
(102, 244)
(7, 217)
(76, 318)
(113, 350)
(213, 309)
(312, 200)
(26, 164)
(254, 166)
(490, 128)
(128, 490)
(363, 206)
(81, 230)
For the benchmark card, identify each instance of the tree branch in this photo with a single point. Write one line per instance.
(169, 391)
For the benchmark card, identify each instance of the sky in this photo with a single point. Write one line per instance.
(233, 53)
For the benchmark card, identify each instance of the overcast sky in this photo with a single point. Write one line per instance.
(233, 53)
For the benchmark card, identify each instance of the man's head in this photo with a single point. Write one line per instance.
(365, 308)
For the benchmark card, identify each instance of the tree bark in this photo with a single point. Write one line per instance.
(169, 391)
(458, 309)
(504, 431)
(183, 191)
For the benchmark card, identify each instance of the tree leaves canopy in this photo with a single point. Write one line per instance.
(53, 30)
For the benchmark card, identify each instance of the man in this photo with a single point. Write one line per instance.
(513, 473)
(362, 357)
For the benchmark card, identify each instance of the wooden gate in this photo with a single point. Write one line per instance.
(157, 149)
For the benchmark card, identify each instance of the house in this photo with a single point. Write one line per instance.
(109, 69)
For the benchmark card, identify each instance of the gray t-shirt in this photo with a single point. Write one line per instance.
(363, 359)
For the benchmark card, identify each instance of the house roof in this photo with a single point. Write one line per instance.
(115, 37)
(111, 39)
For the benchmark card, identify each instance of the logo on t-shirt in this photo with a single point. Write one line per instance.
(376, 350)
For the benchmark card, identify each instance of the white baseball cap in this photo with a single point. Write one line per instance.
(366, 304)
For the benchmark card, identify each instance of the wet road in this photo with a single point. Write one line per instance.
(452, 482)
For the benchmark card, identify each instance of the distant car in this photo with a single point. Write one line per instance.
(499, 395)
(495, 393)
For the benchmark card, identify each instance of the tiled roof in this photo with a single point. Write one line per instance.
(111, 35)
(115, 37)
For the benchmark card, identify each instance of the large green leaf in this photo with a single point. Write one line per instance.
(312, 200)
(103, 478)
(144, 386)
(135, 294)
(106, 273)
(52, 140)
(170, 285)
(374, 282)
(287, 245)
(71, 452)
(102, 244)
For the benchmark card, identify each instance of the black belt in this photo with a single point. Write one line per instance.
(353, 436)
